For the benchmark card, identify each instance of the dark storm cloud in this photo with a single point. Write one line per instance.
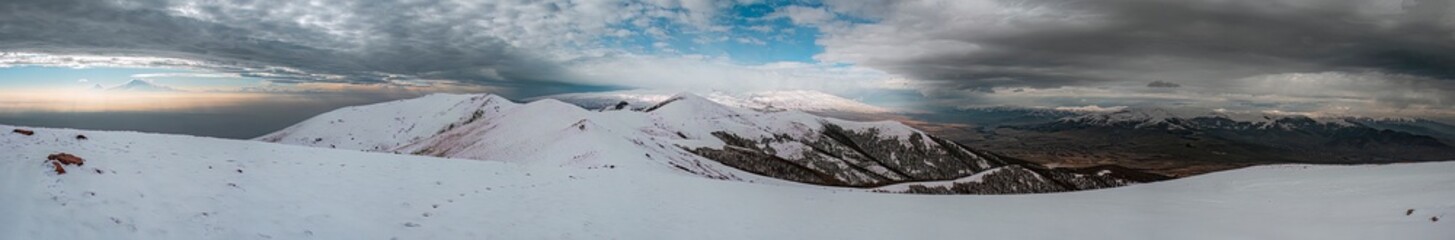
(1061, 43)
(1162, 84)
(386, 40)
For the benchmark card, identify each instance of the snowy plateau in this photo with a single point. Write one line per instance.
(455, 171)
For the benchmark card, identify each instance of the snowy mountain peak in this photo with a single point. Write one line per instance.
(802, 100)
(1136, 114)
(138, 85)
(686, 104)
(683, 134)
(687, 98)
(549, 105)
(1140, 117)
(768, 101)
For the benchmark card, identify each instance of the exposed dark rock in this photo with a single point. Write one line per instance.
(58, 168)
(66, 159)
(663, 103)
(768, 165)
(837, 156)
(621, 105)
(59, 160)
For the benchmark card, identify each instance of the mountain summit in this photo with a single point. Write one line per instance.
(138, 85)
(801, 100)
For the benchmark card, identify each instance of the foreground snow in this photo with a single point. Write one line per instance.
(179, 187)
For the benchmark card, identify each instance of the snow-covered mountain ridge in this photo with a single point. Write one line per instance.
(1404, 131)
(1184, 141)
(801, 100)
(686, 134)
(154, 186)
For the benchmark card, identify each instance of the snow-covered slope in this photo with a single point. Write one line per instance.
(487, 127)
(387, 126)
(685, 133)
(150, 186)
(635, 99)
(801, 100)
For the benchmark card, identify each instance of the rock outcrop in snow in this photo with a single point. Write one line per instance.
(684, 133)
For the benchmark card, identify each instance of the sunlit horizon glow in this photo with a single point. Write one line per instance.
(101, 101)
(192, 94)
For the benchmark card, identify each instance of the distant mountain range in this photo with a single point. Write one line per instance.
(1419, 132)
(690, 134)
(1188, 142)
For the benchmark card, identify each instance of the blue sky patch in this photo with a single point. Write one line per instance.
(752, 36)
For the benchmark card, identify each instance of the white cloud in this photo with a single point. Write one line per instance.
(186, 75)
(1379, 90)
(1069, 54)
(804, 15)
(513, 38)
(1319, 93)
(751, 40)
(1092, 108)
(16, 59)
(910, 30)
(707, 73)
(928, 45)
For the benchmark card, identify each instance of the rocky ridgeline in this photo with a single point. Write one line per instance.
(840, 157)
(684, 133)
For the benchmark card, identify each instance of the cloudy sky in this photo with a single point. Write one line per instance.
(1359, 57)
